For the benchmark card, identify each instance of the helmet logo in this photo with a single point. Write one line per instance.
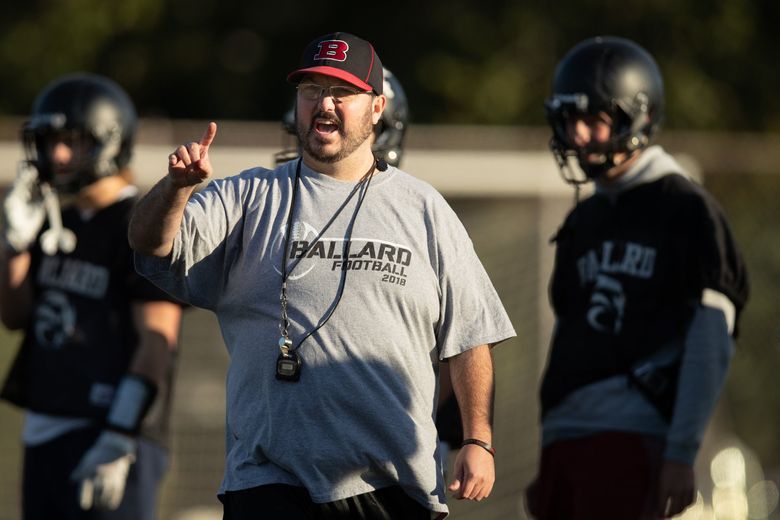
(335, 50)
(579, 101)
(48, 121)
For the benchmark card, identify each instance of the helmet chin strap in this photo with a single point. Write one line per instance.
(57, 237)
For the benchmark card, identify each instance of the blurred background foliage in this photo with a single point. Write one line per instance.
(487, 62)
(461, 62)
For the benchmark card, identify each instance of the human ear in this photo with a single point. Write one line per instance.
(378, 106)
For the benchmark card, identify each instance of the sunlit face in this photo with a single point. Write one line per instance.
(330, 127)
(590, 130)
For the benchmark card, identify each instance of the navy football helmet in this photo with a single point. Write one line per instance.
(97, 110)
(611, 75)
(391, 129)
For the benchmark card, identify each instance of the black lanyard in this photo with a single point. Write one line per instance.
(285, 344)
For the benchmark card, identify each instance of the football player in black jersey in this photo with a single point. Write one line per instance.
(96, 363)
(647, 289)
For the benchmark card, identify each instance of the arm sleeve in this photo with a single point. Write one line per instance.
(707, 354)
(723, 289)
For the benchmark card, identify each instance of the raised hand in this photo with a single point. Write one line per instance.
(189, 164)
(23, 210)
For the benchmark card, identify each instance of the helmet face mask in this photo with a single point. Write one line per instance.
(389, 132)
(604, 75)
(94, 116)
(67, 152)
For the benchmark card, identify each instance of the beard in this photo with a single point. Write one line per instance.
(350, 139)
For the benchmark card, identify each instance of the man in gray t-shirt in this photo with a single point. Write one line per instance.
(339, 283)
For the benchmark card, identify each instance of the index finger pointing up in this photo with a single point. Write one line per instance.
(208, 136)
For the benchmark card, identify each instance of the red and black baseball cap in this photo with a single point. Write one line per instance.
(343, 56)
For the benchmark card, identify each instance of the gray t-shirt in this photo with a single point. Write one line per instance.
(362, 415)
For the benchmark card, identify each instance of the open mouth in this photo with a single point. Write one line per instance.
(594, 154)
(326, 125)
(595, 158)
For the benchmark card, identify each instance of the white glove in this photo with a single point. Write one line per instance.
(103, 471)
(23, 209)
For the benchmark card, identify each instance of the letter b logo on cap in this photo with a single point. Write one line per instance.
(335, 50)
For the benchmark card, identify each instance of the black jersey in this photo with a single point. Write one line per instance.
(629, 270)
(82, 337)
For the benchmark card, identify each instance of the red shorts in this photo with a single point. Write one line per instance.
(612, 475)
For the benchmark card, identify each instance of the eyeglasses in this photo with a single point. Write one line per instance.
(313, 92)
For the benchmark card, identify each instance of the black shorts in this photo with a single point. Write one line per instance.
(284, 502)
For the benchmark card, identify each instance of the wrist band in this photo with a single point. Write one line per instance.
(482, 444)
(132, 400)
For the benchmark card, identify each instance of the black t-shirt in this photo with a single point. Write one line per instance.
(81, 338)
(629, 271)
